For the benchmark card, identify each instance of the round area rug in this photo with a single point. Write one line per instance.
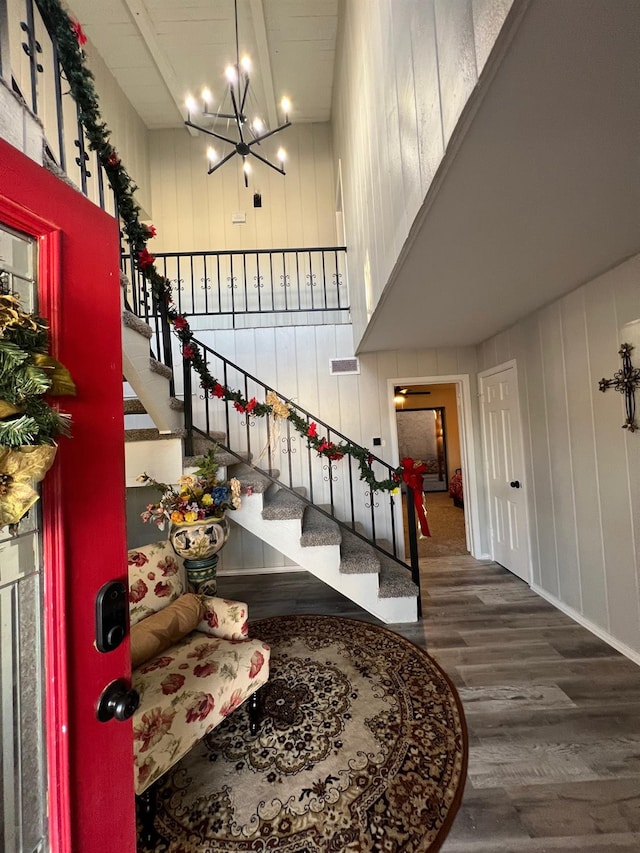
(362, 747)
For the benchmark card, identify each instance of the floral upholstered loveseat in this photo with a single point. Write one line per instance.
(189, 687)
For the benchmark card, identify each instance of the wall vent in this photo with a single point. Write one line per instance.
(342, 366)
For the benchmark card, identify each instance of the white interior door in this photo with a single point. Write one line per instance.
(505, 470)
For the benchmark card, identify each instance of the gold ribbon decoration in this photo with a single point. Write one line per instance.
(20, 469)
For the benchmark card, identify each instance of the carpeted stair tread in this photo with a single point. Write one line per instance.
(133, 406)
(161, 369)
(395, 582)
(283, 505)
(202, 443)
(130, 320)
(317, 529)
(250, 478)
(176, 405)
(151, 434)
(356, 557)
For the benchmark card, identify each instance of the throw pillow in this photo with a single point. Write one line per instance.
(160, 631)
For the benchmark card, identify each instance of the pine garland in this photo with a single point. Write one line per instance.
(27, 374)
(70, 38)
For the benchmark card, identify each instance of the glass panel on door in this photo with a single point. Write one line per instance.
(23, 819)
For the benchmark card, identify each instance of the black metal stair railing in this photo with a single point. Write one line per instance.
(278, 451)
(254, 281)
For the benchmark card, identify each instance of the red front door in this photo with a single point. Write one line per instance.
(90, 774)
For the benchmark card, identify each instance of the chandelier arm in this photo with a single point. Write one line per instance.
(267, 162)
(238, 115)
(211, 133)
(269, 133)
(221, 162)
(207, 114)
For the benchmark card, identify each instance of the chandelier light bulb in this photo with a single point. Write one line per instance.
(282, 155)
(246, 168)
(231, 74)
(285, 103)
(207, 97)
(212, 155)
(245, 64)
(258, 125)
(191, 105)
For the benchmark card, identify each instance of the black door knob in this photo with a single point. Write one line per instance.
(117, 701)
(515, 484)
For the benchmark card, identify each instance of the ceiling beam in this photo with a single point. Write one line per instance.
(143, 22)
(264, 60)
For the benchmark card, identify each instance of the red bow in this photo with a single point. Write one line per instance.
(412, 473)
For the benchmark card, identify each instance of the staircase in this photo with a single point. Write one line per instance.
(281, 515)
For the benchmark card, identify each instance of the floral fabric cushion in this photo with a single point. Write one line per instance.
(156, 578)
(224, 618)
(185, 692)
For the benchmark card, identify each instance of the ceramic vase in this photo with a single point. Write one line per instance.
(198, 543)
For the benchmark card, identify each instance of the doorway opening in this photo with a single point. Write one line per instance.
(432, 422)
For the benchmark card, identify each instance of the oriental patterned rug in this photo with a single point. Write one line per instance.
(362, 747)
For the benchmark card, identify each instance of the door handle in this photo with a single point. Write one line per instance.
(515, 484)
(117, 700)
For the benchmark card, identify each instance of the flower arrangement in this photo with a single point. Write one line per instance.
(196, 496)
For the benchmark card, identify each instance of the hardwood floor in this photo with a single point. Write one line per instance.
(553, 712)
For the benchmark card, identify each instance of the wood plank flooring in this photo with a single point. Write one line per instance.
(553, 712)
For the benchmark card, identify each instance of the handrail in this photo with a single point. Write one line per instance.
(345, 499)
(231, 283)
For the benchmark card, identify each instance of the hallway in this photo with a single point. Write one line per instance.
(552, 711)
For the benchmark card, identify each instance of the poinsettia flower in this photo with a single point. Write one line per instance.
(312, 432)
(145, 259)
(113, 160)
(218, 390)
(200, 708)
(180, 323)
(324, 445)
(151, 230)
(188, 351)
(79, 32)
(239, 407)
(251, 405)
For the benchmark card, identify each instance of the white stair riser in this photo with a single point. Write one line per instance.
(324, 562)
(151, 389)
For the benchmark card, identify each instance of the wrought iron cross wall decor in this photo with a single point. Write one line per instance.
(625, 380)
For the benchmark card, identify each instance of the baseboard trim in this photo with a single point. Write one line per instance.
(619, 646)
(271, 570)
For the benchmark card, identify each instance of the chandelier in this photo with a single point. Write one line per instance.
(248, 135)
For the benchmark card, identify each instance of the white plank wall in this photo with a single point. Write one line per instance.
(406, 71)
(192, 210)
(582, 468)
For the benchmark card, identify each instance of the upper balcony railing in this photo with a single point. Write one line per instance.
(30, 66)
(276, 282)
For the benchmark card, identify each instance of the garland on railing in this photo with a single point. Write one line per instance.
(70, 38)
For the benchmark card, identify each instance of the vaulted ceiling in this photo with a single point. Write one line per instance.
(162, 50)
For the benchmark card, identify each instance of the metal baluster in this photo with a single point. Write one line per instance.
(207, 284)
(62, 154)
(82, 157)
(244, 276)
(413, 542)
(219, 284)
(324, 279)
(32, 48)
(193, 285)
(351, 503)
(298, 280)
(188, 407)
